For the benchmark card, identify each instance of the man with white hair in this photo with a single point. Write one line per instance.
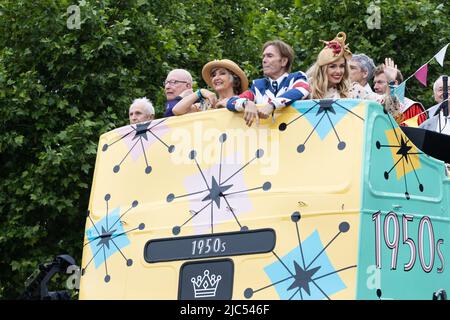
(177, 85)
(438, 94)
(141, 110)
(433, 122)
(361, 70)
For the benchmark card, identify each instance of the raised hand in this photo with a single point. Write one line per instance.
(390, 69)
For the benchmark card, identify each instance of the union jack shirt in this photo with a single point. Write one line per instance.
(282, 92)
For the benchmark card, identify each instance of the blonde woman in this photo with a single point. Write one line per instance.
(226, 79)
(329, 75)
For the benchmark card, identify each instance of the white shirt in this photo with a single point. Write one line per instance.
(445, 124)
(278, 81)
(368, 88)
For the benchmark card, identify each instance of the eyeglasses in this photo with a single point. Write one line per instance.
(173, 82)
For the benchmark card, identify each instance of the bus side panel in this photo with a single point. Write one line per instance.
(405, 217)
(180, 181)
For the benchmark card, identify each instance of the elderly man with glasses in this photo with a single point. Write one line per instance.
(177, 85)
(410, 109)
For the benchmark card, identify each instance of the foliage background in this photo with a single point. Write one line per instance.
(61, 88)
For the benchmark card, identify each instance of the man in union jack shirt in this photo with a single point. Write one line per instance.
(276, 90)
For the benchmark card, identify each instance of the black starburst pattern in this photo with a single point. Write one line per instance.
(404, 151)
(303, 275)
(325, 107)
(106, 238)
(217, 189)
(141, 132)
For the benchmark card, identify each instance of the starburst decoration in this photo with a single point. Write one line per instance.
(142, 134)
(329, 113)
(111, 239)
(217, 191)
(406, 153)
(318, 273)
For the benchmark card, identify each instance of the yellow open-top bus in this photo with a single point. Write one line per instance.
(329, 199)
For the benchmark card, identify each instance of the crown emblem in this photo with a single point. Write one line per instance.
(206, 286)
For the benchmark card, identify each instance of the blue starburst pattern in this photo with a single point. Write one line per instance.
(323, 115)
(306, 272)
(107, 236)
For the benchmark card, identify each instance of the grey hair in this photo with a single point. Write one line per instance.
(365, 63)
(435, 84)
(148, 106)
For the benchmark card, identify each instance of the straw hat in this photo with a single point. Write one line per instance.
(334, 50)
(227, 64)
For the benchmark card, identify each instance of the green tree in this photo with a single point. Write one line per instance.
(61, 87)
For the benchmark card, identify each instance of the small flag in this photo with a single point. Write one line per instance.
(412, 122)
(421, 74)
(440, 55)
(400, 91)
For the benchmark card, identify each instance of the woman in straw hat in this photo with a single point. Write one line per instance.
(227, 80)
